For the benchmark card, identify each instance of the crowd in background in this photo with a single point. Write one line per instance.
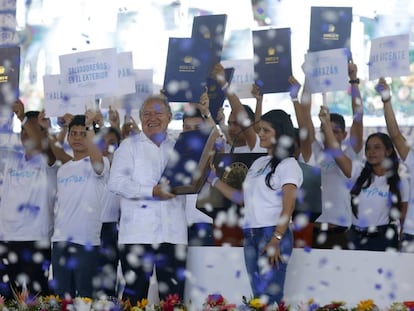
(101, 204)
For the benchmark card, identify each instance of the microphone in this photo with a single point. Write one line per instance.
(239, 133)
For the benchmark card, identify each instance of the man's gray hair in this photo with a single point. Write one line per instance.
(161, 98)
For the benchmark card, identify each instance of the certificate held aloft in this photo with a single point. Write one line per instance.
(273, 61)
(211, 28)
(9, 74)
(187, 69)
(216, 94)
(330, 28)
(187, 167)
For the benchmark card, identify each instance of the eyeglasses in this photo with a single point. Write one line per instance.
(76, 133)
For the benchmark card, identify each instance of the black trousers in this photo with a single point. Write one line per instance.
(138, 261)
(381, 238)
(108, 259)
(24, 263)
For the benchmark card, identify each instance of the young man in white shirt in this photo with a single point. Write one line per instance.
(241, 123)
(80, 187)
(331, 226)
(153, 227)
(28, 189)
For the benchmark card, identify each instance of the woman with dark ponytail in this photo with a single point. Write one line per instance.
(379, 195)
(269, 196)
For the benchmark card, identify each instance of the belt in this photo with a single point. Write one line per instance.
(371, 231)
(331, 229)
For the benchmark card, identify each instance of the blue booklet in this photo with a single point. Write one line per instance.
(212, 29)
(9, 74)
(273, 65)
(215, 94)
(330, 28)
(187, 69)
(188, 173)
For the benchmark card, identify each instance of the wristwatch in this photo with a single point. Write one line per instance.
(208, 115)
(354, 81)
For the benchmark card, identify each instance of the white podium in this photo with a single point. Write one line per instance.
(323, 275)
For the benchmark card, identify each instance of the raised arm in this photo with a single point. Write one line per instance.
(331, 144)
(114, 120)
(95, 153)
(31, 127)
(236, 105)
(303, 114)
(392, 126)
(46, 144)
(357, 127)
(204, 107)
(257, 94)
(222, 124)
(56, 141)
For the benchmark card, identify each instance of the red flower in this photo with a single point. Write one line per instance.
(282, 306)
(170, 302)
(215, 300)
(409, 304)
(66, 303)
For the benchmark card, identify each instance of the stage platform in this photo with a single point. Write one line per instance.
(323, 275)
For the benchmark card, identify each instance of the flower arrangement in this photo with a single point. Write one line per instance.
(402, 306)
(258, 304)
(214, 302)
(333, 306)
(365, 305)
(217, 302)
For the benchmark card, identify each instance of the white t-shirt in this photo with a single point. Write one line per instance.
(79, 203)
(336, 199)
(246, 148)
(111, 206)
(27, 197)
(262, 205)
(136, 168)
(373, 206)
(409, 217)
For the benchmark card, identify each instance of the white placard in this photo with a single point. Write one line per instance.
(143, 86)
(8, 20)
(6, 5)
(243, 77)
(57, 103)
(90, 73)
(126, 79)
(326, 71)
(389, 57)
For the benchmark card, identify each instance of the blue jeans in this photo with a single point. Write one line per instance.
(265, 279)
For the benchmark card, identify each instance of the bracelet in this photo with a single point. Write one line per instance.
(214, 181)
(354, 81)
(387, 99)
(278, 235)
(295, 99)
(225, 86)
